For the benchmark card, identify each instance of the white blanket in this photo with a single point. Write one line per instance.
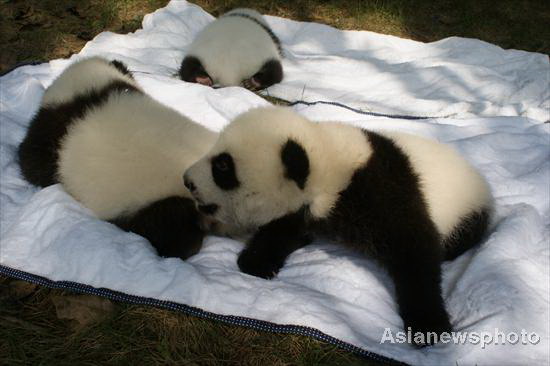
(492, 104)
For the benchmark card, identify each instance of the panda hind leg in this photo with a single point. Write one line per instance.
(171, 225)
(270, 73)
(192, 71)
(415, 267)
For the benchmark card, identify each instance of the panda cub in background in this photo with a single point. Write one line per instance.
(119, 152)
(236, 49)
(407, 201)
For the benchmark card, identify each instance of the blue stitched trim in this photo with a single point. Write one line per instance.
(186, 309)
(396, 116)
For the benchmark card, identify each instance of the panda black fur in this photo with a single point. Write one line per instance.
(119, 152)
(407, 201)
(238, 48)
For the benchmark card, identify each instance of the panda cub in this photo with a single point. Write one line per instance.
(407, 201)
(119, 152)
(236, 49)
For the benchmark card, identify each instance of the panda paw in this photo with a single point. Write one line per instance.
(251, 84)
(253, 263)
(204, 80)
(425, 326)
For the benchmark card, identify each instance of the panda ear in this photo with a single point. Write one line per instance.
(296, 162)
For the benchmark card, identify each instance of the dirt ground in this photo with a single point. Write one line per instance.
(40, 30)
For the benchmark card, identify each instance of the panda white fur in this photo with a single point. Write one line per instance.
(236, 49)
(119, 152)
(405, 200)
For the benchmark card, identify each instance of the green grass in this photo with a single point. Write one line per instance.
(30, 30)
(32, 334)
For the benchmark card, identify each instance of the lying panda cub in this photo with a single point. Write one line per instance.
(119, 152)
(238, 48)
(407, 201)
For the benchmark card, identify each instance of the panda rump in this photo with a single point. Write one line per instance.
(236, 49)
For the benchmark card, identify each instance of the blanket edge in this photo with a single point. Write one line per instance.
(256, 324)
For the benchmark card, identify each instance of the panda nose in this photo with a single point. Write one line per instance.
(188, 184)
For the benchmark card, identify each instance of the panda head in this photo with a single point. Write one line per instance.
(257, 171)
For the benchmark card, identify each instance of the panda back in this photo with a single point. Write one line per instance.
(129, 152)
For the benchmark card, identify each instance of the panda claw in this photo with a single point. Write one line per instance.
(251, 84)
(204, 80)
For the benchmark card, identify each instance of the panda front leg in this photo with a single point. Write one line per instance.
(266, 252)
(192, 71)
(171, 225)
(270, 73)
(416, 272)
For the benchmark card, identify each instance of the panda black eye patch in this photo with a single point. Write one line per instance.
(223, 172)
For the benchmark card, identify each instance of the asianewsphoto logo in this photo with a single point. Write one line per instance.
(484, 338)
